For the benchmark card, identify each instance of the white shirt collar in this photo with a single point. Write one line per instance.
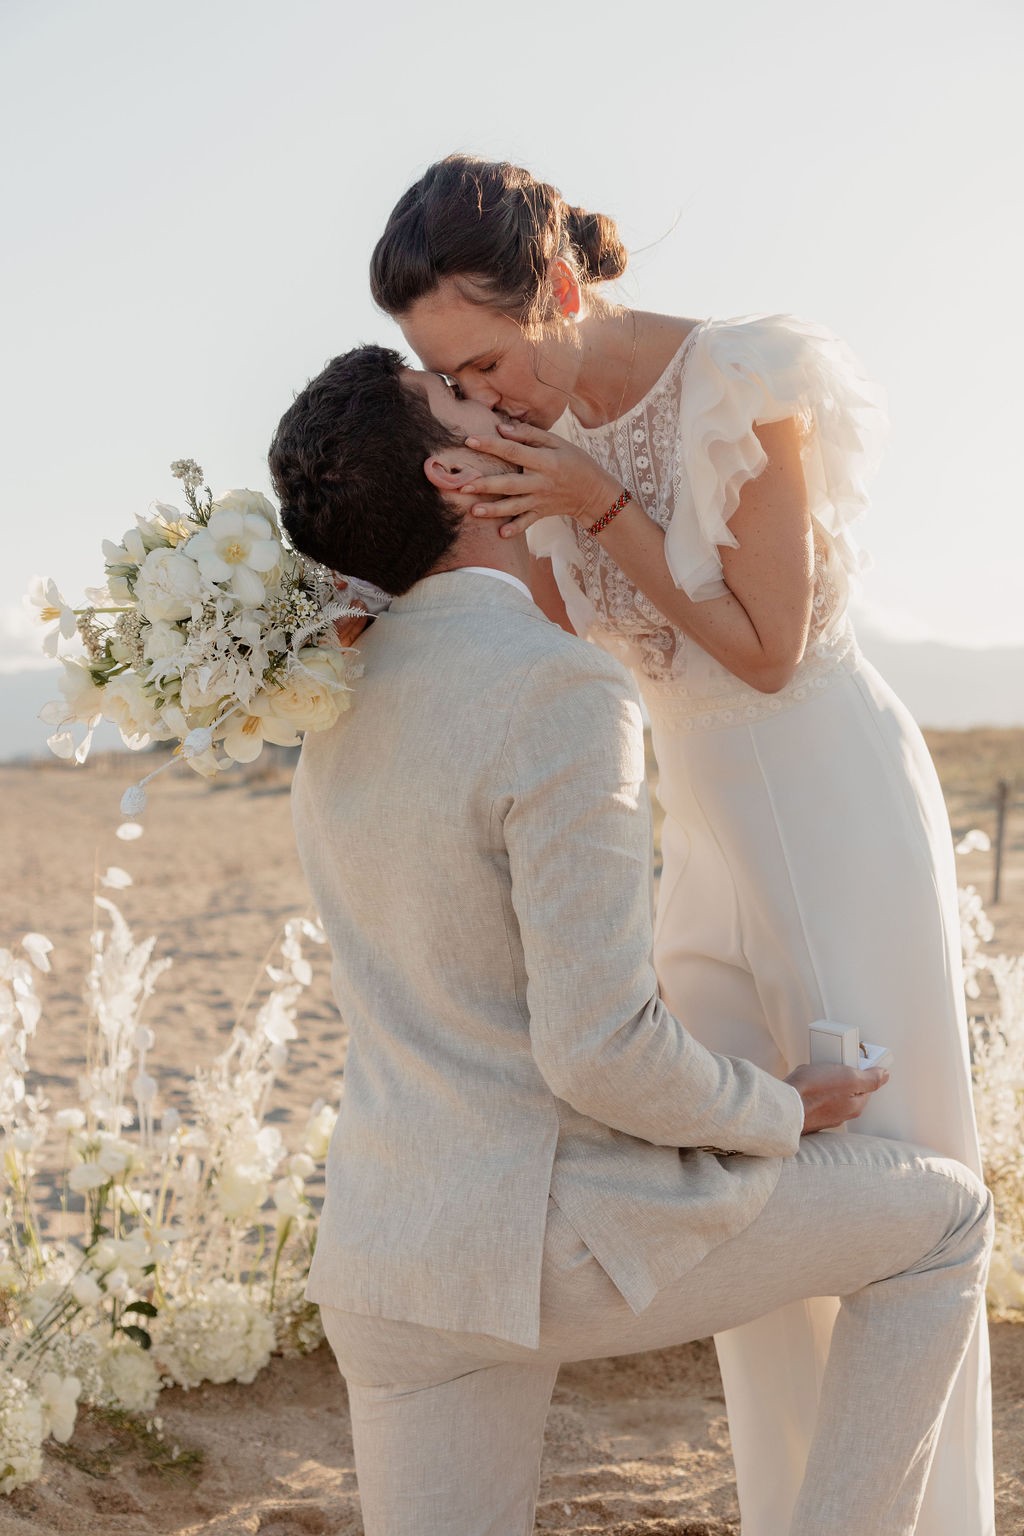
(488, 570)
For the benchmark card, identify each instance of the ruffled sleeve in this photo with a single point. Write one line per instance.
(755, 371)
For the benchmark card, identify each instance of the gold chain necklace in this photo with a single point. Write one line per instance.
(629, 370)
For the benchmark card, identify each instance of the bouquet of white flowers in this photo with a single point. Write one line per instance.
(209, 632)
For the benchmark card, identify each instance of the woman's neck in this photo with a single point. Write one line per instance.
(623, 353)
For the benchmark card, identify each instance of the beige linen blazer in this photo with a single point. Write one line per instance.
(475, 831)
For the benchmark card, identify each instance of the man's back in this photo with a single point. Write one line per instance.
(475, 832)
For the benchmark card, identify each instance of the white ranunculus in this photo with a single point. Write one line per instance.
(239, 546)
(169, 585)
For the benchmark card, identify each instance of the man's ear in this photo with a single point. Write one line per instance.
(452, 476)
(565, 286)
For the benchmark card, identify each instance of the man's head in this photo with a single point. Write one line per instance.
(367, 463)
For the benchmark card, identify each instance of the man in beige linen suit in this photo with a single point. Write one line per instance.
(525, 1167)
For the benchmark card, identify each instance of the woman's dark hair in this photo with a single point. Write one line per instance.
(347, 464)
(494, 225)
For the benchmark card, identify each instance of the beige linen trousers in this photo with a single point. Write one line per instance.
(534, 1160)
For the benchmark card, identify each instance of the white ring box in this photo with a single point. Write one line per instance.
(841, 1045)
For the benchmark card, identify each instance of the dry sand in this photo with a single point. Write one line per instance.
(636, 1446)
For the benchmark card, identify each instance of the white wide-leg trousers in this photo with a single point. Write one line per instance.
(448, 1427)
(809, 873)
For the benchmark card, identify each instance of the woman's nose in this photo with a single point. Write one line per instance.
(485, 394)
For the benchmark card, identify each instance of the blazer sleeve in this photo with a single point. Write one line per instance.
(578, 835)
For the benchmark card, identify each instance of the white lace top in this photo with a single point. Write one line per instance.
(685, 451)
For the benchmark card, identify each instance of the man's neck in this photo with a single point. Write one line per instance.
(512, 557)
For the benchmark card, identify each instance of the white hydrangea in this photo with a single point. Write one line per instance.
(218, 1334)
(130, 1377)
(21, 1433)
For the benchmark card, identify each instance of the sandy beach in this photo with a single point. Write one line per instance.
(636, 1446)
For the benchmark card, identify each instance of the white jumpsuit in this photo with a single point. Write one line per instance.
(808, 866)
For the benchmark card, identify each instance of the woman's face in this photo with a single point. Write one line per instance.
(490, 358)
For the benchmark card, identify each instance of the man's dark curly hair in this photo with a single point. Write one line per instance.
(347, 464)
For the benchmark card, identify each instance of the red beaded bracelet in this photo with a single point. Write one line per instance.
(613, 511)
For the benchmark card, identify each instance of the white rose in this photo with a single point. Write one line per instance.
(311, 698)
(168, 585)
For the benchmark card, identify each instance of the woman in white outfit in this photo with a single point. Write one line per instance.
(690, 486)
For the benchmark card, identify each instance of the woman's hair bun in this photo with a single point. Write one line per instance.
(596, 244)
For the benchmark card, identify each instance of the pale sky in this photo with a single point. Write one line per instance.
(192, 192)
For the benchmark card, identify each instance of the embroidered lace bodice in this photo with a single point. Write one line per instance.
(684, 451)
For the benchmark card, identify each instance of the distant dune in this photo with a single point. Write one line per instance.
(944, 686)
(951, 687)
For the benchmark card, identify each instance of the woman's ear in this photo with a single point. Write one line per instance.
(565, 286)
(450, 477)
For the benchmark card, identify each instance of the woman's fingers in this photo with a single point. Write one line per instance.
(504, 485)
(521, 431)
(519, 524)
(505, 448)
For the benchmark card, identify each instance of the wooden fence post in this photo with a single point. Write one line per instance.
(1002, 796)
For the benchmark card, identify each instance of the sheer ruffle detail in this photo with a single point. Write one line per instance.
(552, 539)
(755, 371)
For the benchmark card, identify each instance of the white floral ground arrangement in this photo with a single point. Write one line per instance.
(185, 1239)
